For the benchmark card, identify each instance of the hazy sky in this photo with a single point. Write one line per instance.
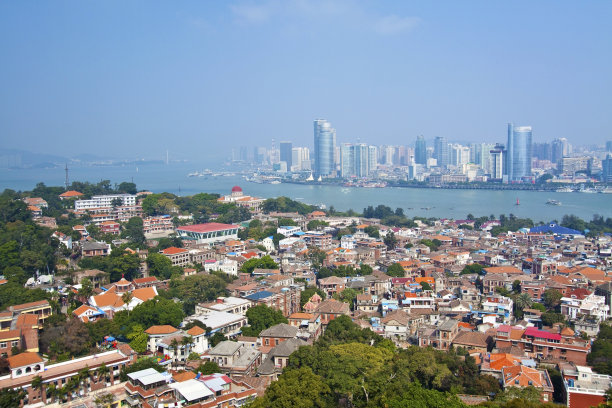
(196, 77)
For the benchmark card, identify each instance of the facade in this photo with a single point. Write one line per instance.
(237, 197)
(178, 256)
(209, 233)
(324, 148)
(518, 157)
(157, 224)
(104, 201)
(582, 388)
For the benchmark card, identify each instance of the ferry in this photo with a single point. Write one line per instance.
(553, 202)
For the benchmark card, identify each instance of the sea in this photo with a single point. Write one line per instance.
(424, 202)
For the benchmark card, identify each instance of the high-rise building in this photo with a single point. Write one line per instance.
(543, 151)
(480, 154)
(286, 154)
(606, 167)
(362, 157)
(347, 160)
(609, 146)
(459, 155)
(497, 162)
(519, 149)
(324, 148)
(441, 151)
(420, 151)
(560, 148)
(372, 159)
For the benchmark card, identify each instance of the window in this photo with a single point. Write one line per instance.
(15, 343)
(3, 344)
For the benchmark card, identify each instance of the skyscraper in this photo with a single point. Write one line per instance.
(285, 154)
(441, 151)
(560, 148)
(347, 160)
(519, 149)
(324, 148)
(497, 162)
(420, 151)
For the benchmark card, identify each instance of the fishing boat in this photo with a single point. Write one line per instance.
(553, 202)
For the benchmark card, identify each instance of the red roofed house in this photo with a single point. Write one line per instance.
(544, 345)
(178, 256)
(522, 376)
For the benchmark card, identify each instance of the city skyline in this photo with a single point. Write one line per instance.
(189, 77)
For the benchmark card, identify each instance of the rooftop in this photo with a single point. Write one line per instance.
(208, 227)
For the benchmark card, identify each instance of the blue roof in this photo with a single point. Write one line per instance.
(259, 295)
(554, 229)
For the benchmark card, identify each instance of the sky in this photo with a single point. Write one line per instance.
(197, 78)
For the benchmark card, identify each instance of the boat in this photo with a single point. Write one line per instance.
(553, 202)
(564, 190)
(275, 182)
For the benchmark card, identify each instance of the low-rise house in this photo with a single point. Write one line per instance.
(235, 358)
(278, 358)
(395, 325)
(543, 345)
(178, 256)
(366, 303)
(582, 388)
(472, 341)
(87, 313)
(582, 302)
(276, 334)
(522, 376)
(228, 324)
(157, 333)
(308, 324)
(89, 249)
(330, 309)
(331, 285)
(225, 304)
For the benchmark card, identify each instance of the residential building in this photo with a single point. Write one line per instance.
(582, 388)
(105, 201)
(178, 256)
(522, 376)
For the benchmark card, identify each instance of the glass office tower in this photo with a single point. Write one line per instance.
(286, 154)
(420, 151)
(518, 156)
(324, 148)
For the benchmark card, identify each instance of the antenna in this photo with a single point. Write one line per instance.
(66, 176)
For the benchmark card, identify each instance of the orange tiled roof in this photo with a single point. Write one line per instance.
(173, 251)
(108, 299)
(144, 294)
(511, 270)
(71, 193)
(163, 329)
(196, 331)
(526, 376)
(184, 376)
(501, 360)
(24, 359)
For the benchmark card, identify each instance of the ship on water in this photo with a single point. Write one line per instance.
(553, 202)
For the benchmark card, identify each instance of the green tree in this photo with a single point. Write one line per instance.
(11, 398)
(372, 231)
(265, 262)
(207, 368)
(133, 230)
(195, 289)
(551, 298)
(140, 364)
(86, 288)
(307, 293)
(296, 388)
(472, 268)
(599, 357)
(138, 339)
(390, 240)
(261, 317)
(550, 318)
(426, 286)
(159, 265)
(348, 295)
(396, 270)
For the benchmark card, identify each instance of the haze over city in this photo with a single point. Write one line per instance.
(136, 79)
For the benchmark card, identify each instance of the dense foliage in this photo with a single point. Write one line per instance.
(285, 204)
(261, 317)
(601, 351)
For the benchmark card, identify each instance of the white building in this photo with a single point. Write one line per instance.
(589, 305)
(209, 233)
(104, 201)
(226, 266)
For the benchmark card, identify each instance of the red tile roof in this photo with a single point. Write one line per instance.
(174, 251)
(24, 359)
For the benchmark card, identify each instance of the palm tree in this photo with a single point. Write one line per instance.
(174, 344)
(103, 372)
(523, 301)
(37, 382)
(127, 298)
